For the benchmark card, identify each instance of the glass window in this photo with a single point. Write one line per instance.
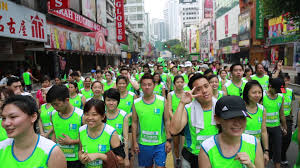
(140, 17)
(140, 25)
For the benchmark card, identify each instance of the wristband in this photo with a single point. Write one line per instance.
(170, 140)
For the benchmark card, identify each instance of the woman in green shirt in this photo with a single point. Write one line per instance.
(76, 99)
(159, 88)
(231, 148)
(109, 82)
(24, 147)
(97, 88)
(256, 125)
(96, 137)
(214, 83)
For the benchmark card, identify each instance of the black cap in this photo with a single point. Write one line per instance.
(278, 85)
(229, 107)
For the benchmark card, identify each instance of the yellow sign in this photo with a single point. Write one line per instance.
(129, 55)
(198, 41)
(3, 6)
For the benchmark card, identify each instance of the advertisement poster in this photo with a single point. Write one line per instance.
(226, 24)
(65, 39)
(259, 29)
(120, 21)
(18, 21)
(208, 9)
(101, 12)
(278, 27)
(89, 9)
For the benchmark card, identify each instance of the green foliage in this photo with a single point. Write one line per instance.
(170, 43)
(275, 8)
(178, 50)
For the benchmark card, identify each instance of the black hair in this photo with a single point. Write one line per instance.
(234, 65)
(6, 92)
(75, 85)
(221, 70)
(112, 93)
(206, 72)
(98, 71)
(247, 70)
(146, 66)
(75, 73)
(287, 76)
(120, 78)
(45, 78)
(98, 105)
(192, 73)
(212, 76)
(178, 77)
(57, 92)
(26, 104)
(156, 73)
(12, 80)
(147, 76)
(96, 82)
(247, 88)
(194, 78)
(124, 69)
(109, 73)
(87, 78)
(256, 66)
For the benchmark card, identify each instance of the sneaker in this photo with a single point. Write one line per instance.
(284, 162)
(178, 163)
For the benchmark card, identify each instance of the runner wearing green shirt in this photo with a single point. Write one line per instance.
(77, 79)
(109, 82)
(214, 82)
(159, 87)
(256, 125)
(76, 99)
(235, 86)
(150, 112)
(197, 103)
(261, 77)
(132, 84)
(170, 79)
(173, 101)
(273, 102)
(87, 91)
(66, 120)
(231, 148)
(27, 79)
(117, 118)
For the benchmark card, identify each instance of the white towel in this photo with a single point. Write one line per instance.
(197, 114)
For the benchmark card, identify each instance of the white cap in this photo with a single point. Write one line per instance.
(188, 64)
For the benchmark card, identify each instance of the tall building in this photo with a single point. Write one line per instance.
(147, 27)
(190, 13)
(171, 15)
(135, 14)
(159, 30)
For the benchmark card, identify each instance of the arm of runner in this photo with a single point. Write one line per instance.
(203, 160)
(164, 92)
(134, 84)
(83, 100)
(41, 126)
(170, 105)
(134, 129)
(125, 134)
(282, 118)
(259, 160)
(167, 126)
(264, 136)
(57, 159)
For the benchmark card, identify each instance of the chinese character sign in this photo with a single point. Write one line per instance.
(120, 20)
(17, 21)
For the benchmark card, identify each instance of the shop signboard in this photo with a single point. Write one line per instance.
(78, 19)
(259, 28)
(89, 9)
(226, 24)
(120, 20)
(244, 29)
(18, 21)
(101, 12)
(59, 4)
(208, 9)
(66, 39)
(278, 27)
(283, 39)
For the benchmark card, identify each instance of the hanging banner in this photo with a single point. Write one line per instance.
(59, 4)
(18, 21)
(259, 20)
(226, 24)
(208, 9)
(101, 12)
(120, 20)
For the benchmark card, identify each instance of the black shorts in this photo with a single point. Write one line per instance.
(275, 142)
(74, 164)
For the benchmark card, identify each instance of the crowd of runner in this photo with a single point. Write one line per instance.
(207, 114)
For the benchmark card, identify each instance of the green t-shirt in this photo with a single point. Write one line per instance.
(26, 78)
(3, 134)
(263, 81)
(272, 107)
(118, 122)
(233, 90)
(45, 117)
(254, 123)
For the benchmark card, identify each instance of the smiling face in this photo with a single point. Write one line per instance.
(147, 86)
(97, 89)
(92, 118)
(232, 127)
(214, 83)
(179, 83)
(255, 94)
(122, 85)
(15, 121)
(111, 104)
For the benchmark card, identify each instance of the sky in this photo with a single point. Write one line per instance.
(155, 8)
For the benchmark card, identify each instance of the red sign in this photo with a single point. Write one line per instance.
(226, 24)
(120, 20)
(100, 44)
(59, 4)
(208, 9)
(78, 19)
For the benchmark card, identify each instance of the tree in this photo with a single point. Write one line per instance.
(275, 8)
(178, 50)
(170, 43)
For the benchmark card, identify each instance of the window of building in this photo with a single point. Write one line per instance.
(140, 17)
(139, 9)
(140, 25)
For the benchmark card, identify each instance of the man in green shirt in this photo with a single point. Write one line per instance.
(235, 86)
(150, 112)
(27, 79)
(260, 76)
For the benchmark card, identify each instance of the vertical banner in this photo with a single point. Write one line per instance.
(120, 20)
(226, 24)
(208, 9)
(59, 4)
(259, 29)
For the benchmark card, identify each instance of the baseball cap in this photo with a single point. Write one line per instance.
(188, 64)
(93, 71)
(278, 85)
(229, 107)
